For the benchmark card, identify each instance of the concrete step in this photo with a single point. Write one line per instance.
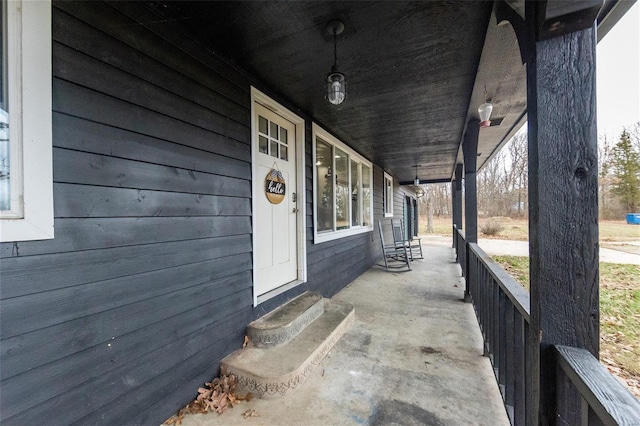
(272, 372)
(284, 323)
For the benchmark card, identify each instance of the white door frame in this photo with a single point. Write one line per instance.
(257, 190)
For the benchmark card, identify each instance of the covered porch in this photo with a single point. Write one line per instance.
(413, 356)
(159, 117)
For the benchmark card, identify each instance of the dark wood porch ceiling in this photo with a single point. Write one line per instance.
(412, 70)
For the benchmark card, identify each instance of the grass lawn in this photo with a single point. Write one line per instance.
(619, 290)
(619, 315)
(518, 229)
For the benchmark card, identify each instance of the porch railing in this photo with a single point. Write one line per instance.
(502, 307)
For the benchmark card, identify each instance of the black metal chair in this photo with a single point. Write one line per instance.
(394, 253)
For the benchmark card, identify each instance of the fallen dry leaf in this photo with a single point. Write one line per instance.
(249, 413)
(216, 396)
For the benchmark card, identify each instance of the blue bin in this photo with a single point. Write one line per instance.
(633, 218)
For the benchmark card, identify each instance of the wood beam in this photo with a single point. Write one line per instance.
(563, 210)
(559, 17)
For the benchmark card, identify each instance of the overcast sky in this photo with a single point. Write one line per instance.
(618, 75)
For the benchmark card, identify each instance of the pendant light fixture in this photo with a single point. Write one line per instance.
(484, 111)
(335, 81)
(416, 181)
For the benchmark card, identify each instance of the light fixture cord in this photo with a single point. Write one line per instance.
(335, 49)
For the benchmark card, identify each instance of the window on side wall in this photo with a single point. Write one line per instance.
(388, 195)
(343, 182)
(26, 178)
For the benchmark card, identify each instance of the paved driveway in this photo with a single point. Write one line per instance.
(521, 248)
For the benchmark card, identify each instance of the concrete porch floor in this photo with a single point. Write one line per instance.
(412, 357)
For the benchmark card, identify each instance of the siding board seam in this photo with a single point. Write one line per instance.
(136, 274)
(133, 331)
(125, 16)
(143, 108)
(223, 157)
(150, 83)
(154, 377)
(132, 300)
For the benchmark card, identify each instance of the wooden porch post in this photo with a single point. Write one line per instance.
(563, 204)
(470, 151)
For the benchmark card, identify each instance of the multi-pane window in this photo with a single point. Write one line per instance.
(273, 140)
(388, 195)
(342, 189)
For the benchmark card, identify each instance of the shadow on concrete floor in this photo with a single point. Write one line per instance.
(413, 357)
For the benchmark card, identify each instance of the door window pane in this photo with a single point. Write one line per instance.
(274, 131)
(343, 192)
(263, 145)
(283, 135)
(366, 196)
(263, 125)
(355, 194)
(324, 187)
(274, 149)
(283, 153)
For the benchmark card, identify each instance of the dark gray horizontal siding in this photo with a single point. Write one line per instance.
(168, 381)
(104, 360)
(62, 305)
(88, 136)
(71, 65)
(82, 102)
(92, 234)
(104, 170)
(25, 275)
(93, 201)
(148, 281)
(168, 48)
(123, 386)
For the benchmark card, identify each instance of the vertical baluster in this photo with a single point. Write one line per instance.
(495, 326)
(481, 303)
(485, 310)
(519, 348)
(471, 278)
(476, 290)
(502, 340)
(510, 359)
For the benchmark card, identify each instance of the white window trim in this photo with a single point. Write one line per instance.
(388, 196)
(324, 236)
(29, 56)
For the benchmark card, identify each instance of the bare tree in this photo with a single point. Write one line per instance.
(604, 176)
(502, 182)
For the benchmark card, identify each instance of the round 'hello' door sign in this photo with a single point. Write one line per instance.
(274, 187)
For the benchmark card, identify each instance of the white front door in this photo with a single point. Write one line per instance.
(275, 204)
